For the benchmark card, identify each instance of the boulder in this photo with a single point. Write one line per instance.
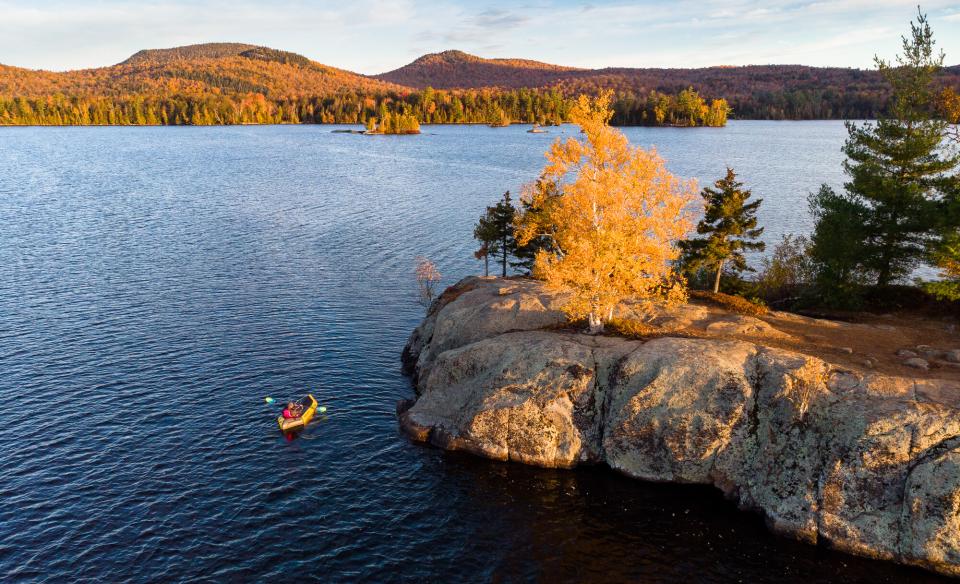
(869, 464)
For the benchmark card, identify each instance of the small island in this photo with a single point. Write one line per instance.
(499, 119)
(390, 123)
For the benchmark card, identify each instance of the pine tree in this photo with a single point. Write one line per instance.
(495, 230)
(898, 176)
(533, 216)
(730, 227)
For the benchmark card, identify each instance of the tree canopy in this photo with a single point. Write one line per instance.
(614, 223)
(495, 232)
(900, 190)
(729, 227)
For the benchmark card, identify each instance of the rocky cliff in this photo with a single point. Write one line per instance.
(866, 463)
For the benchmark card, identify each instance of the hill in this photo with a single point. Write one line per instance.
(213, 68)
(754, 91)
(234, 83)
(201, 51)
(459, 70)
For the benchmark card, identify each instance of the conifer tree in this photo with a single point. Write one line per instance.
(533, 218)
(729, 227)
(495, 230)
(899, 177)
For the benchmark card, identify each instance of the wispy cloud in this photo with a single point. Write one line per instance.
(484, 29)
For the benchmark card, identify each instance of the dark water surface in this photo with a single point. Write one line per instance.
(157, 283)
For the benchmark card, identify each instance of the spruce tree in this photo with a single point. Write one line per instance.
(534, 217)
(495, 230)
(729, 227)
(898, 178)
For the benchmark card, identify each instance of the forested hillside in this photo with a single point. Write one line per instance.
(233, 83)
(755, 92)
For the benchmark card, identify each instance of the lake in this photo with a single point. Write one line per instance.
(157, 283)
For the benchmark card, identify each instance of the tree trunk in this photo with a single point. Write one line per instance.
(883, 276)
(503, 246)
(486, 265)
(716, 281)
(596, 324)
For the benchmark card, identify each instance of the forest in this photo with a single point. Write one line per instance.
(347, 107)
(229, 83)
(768, 92)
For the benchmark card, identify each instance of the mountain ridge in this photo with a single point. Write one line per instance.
(242, 71)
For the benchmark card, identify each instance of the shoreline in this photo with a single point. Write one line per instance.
(815, 447)
(361, 125)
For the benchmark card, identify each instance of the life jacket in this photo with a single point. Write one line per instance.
(288, 414)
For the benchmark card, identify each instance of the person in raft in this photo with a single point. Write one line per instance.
(293, 410)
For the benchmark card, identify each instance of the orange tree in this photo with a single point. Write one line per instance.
(614, 224)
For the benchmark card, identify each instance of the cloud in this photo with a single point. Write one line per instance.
(481, 29)
(498, 19)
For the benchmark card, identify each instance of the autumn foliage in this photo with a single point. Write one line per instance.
(229, 83)
(614, 223)
(754, 91)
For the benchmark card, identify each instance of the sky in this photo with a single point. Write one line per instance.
(375, 36)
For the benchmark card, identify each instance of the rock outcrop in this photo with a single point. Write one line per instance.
(865, 463)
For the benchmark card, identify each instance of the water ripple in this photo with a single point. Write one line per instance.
(157, 283)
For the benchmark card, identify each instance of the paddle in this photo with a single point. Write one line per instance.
(270, 400)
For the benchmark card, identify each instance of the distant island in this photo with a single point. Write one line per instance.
(233, 83)
(393, 124)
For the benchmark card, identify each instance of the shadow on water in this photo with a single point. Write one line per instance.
(311, 431)
(595, 525)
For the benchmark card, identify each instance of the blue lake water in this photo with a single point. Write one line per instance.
(157, 283)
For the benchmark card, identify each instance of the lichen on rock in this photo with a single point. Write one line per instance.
(869, 464)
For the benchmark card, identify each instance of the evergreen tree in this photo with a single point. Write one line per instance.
(495, 230)
(729, 225)
(535, 211)
(898, 178)
(837, 244)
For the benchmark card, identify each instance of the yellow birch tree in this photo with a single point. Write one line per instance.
(615, 223)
